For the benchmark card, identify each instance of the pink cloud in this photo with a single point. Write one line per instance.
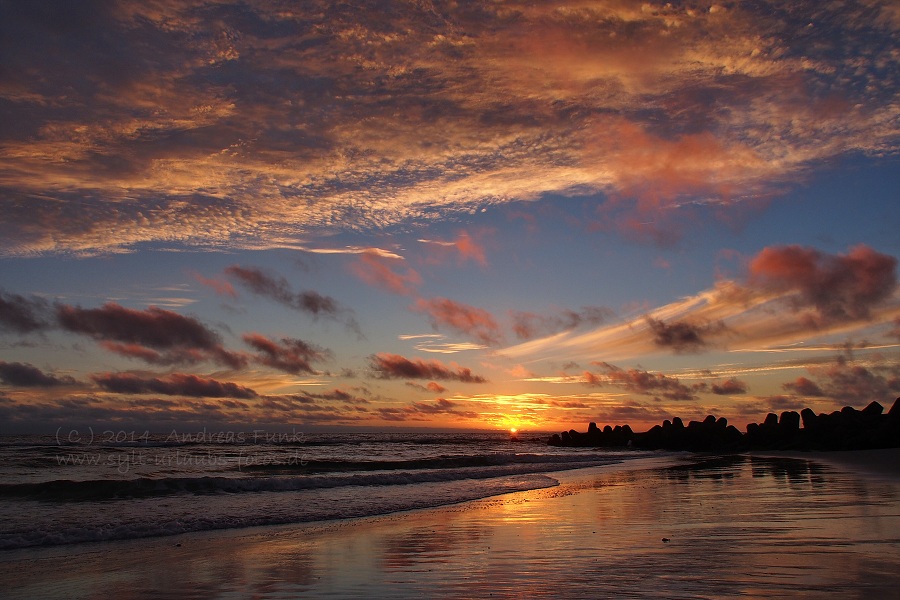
(219, 286)
(654, 174)
(466, 247)
(474, 322)
(470, 249)
(838, 287)
(375, 270)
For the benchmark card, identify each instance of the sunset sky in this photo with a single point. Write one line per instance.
(474, 215)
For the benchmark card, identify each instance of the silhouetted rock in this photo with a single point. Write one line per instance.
(809, 418)
(789, 421)
(895, 409)
(846, 429)
(873, 410)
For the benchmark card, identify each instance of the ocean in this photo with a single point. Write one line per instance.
(87, 485)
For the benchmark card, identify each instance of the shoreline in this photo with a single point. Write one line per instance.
(562, 477)
(602, 526)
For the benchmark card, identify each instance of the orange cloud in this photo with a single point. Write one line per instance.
(193, 133)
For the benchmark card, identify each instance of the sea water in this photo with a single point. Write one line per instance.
(91, 485)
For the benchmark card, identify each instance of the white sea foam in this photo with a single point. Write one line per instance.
(129, 491)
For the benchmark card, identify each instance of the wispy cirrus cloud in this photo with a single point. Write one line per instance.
(789, 295)
(435, 344)
(351, 250)
(254, 126)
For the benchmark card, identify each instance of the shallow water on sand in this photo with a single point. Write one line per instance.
(722, 527)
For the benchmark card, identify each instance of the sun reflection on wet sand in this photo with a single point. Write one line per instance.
(716, 527)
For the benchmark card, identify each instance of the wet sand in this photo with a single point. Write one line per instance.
(885, 463)
(744, 526)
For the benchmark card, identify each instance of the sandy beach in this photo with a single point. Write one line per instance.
(680, 526)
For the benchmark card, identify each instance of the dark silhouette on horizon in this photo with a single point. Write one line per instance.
(845, 429)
